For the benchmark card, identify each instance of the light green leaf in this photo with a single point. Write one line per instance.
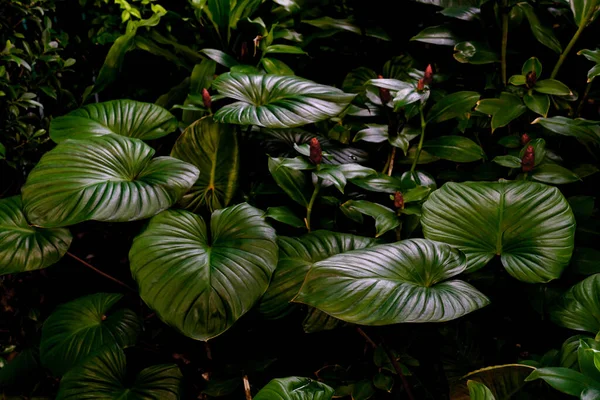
(503, 381)
(276, 67)
(542, 33)
(213, 149)
(532, 64)
(105, 376)
(380, 183)
(220, 57)
(538, 103)
(508, 161)
(385, 218)
(284, 215)
(386, 284)
(129, 118)
(78, 328)
(517, 80)
(552, 86)
(529, 225)
(454, 148)
(24, 247)
(295, 388)
(583, 11)
(284, 49)
(274, 101)
(554, 174)
(72, 182)
(452, 106)
(114, 60)
(503, 110)
(564, 380)
(474, 53)
(437, 35)
(478, 391)
(579, 307)
(200, 279)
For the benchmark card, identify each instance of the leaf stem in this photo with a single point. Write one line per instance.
(367, 338)
(311, 204)
(398, 369)
(247, 390)
(420, 146)
(392, 158)
(504, 40)
(102, 273)
(583, 98)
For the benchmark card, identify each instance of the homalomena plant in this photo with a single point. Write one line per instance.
(410, 202)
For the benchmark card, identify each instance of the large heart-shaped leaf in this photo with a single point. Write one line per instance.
(529, 225)
(103, 178)
(200, 280)
(122, 117)
(392, 283)
(295, 388)
(579, 307)
(79, 328)
(275, 101)
(296, 257)
(213, 148)
(24, 247)
(105, 376)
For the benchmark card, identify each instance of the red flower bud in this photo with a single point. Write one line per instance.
(398, 200)
(531, 79)
(420, 85)
(244, 50)
(428, 75)
(525, 139)
(316, 155)
(528, 160)
(206, 98)
(384, 94)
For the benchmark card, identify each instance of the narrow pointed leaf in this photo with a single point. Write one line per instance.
(295, 388)
(454, 148)
(592, 55)
(542, 33)
(503, 381)
(554, 174)
(406, 281)
(564, 380)
(582, 129)
(284, 215)
(582, 10)
(385, 218)
(440, 35)
(552, 86)
(503, 110)
(452, 106)
(201, 279)
(292, 181)
(529, 225)
(103, 178)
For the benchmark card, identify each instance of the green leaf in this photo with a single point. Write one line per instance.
(564, 380)
(585, 260)
(295, 388)
(73, 181)
(213, 149)
(385, 218)
(529, 225)
(129, 118)
(276, 67)
(517, 80)
(407, 94)
(392, 283)
(538, 103)
(454, 148)
(583, 10)
(502, 380)
(437, 35)
(383, 381)
(380, 183)
(579, 307)
(503, 110)
(113, 62)
(296, 257)
(592, 55)
(508, 161)
(533, 64)
(274, 101)
(24, 247)
(318, 321)
(418, 178)
(293, 182)
(474, 53)
(220, 57)
(554, 174)
(588, 358)
(363, 390)
(464, 12)
(105, 376)
(201, 280)
(539, 147)
(284, 215)
(25, 365)
(552, 86)
(478, 391)
(452, 106)
(584, 130)
(543, 34)
(284, 49)
(78, 328)
(356, 80)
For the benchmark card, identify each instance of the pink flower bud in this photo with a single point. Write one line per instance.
(206, 98)
(398, 200)
(316, 154)
(384, 94)
(525, 139)
(428, 75)
(528, 160)
(531, 79)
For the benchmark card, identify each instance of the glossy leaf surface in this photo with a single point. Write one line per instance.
(295, 388)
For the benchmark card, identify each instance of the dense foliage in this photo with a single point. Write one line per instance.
(299, 199)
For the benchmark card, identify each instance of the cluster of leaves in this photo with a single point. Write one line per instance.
(258, 207)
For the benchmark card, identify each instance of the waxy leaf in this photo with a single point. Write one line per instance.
(454, 148)
(385, 218)
(292, 181)
(542, 33)
(275, 66)
(296, 257)
(552, 86)
(532, 65)
(592, 55)
(529, 225)
(295, 388)
(503, 381)
(79, 328)
(508, 161)
(503, 110)
(478, 391)
(564, 380)
(583, 11)
(392, 283)
(275, 101)
(213, 148)
(105, 376)
(103, 178)
(24, 247)
(464, 12)
(474, 53)
(538, 103)
(452, 106)
(554, 174)
(284, 215)
(122, 117)
(437, 35)
(579, 307)
(201, 279)
(582, 129)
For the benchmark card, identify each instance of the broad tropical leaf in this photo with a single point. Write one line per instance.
(579, 307)
(318, 321)
(292, 181)
(454, 148)
(392, 283)
(385, 218)
(478, 391)
(24, 247)
(104, 376)
(503, 110)
(502, 381)
(296, 257)
(529, 225)
(295, 388)
(103, 178)
(452, 106)
(542, 33)
(122, 117)
(213, 148)
(79, 328)
(441, 35)
(274, 101)
(584, 130)
(566, 380)
(201, 279)
(592, 55)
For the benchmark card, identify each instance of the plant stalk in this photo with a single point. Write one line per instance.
(311, 204)
(583, 99)
(420, 146)
(247, 388)
(504, 40)
(102, 273)
(392, 159)
(398, 369)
